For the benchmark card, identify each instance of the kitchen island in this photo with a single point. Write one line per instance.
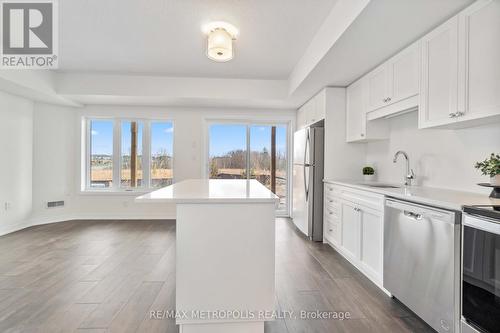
(225, 254)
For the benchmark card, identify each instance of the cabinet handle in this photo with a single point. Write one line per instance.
(330, 200)
(459, 114)
(388, 99)
(362, 135)
(384, 100)
(452, 115)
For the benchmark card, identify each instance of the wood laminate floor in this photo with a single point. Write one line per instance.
(106, 276)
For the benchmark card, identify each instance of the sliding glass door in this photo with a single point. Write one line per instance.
(251, 151)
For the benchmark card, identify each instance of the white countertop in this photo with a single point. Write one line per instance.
(211, 191)
(437, 197)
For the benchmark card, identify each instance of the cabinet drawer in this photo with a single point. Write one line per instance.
(332, 208)
(332, 190)
(331, 199)
(332, 232)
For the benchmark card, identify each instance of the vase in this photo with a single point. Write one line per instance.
(495, 180)
(369, 178)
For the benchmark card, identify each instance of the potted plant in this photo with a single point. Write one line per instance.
(490, 167)
(369, 173)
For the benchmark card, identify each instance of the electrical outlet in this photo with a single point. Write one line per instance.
(7, 205)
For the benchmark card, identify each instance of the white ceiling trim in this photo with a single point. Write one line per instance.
(340, 18)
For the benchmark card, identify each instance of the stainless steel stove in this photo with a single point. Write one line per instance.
(481, 269)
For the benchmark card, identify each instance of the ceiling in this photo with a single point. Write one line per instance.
(152, 52)
(381, 30)
(163, 37)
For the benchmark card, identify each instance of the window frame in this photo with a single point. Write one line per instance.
(116, 187)
(249, 123)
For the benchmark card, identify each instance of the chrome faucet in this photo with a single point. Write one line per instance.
(410, 175)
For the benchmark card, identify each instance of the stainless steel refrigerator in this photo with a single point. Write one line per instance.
(308, 181)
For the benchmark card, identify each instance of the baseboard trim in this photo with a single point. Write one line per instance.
(34, 221)
(13, 228)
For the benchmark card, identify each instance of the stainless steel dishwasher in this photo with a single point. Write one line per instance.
(422, 261)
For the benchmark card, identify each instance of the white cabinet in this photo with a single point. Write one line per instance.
(354, 226)
(371, 258)
(320, 106)
(378, 91)
(404, 74)
(479, 61)
(358, 129)
(350, 229)
(312, 111)
(301, 116)
(356, 112)
(389, 89)
(461, 69)
(332, 231)
(362, 234)
(438, 94)
(395, 81)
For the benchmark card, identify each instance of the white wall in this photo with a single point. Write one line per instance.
(441, 158)
(57, 158)
(16, 151)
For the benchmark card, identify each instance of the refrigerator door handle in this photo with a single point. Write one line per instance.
(306, 165)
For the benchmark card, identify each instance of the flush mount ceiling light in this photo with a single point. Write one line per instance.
(220, 40)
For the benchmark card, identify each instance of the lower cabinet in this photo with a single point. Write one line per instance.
(350, 230)
(372, 228)
(355, 228)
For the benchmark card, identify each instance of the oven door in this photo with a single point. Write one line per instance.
(481, 273)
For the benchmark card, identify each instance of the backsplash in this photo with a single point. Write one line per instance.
(440, 157)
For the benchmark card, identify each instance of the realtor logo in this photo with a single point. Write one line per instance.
(29, 34)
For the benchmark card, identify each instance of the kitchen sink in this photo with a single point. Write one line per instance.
(382, 185)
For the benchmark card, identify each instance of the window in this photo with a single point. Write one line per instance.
(131, 159)
(251, 151)
(128, 154)
(162, 137)
(228, 157)
(101, 154)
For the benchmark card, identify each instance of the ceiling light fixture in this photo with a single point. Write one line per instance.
(220, 37)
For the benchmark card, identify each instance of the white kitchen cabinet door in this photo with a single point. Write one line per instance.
(404, 74)
(320, 105)
(350, 230)
(356, 112)
(479, 60)
(439, 76)
(372, 224)
(301, 117)
(378, 93)
(310, 108)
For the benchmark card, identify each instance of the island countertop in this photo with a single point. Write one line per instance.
(211, 191)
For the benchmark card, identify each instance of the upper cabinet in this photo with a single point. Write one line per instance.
(396, 80)
(461, 69)
(358, 129)
(404, 74)
(378, 88)
(312, 111)
(479, 60)
(438, 93)
(356, 122)
(389, 89)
